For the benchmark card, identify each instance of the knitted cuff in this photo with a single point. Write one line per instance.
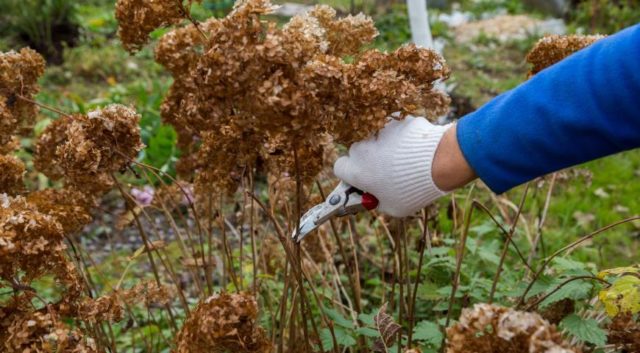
(412, 166)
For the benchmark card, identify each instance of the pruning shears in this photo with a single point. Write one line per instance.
(342, 201)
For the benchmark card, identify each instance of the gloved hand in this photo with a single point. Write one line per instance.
(395, 166)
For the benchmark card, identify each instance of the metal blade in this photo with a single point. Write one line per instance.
(308, 222)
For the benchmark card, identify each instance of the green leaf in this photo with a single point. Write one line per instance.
(428, 332)
(343, 338)
(484, 228)
(586, 330)
(567, 264)
(489, 254)
(576, 290)
(367, 319)
(429, 291)
(368, 332)
(326, 339)
(162, 146)
(338, 319)
(440, 251)
(543, 284)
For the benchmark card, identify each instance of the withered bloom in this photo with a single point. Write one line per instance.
(31, 242)
(223, 322)
(45, 159)
(8, 123)
(19, 73)
(624, 333)
(111, 307)
(85, 149)
(487, 328)
(269, 94)
(11, 176)
(138, 18)
(553, 48)
(40, 331)
(69, 207)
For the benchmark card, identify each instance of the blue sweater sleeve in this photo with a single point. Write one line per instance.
(582, 108)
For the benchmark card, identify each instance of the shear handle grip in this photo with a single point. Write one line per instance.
(369, 201)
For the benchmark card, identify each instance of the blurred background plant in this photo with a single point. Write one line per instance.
(45, 25)
(605, 16)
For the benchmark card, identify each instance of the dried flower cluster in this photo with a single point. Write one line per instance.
(40, 331)
(111, 307)
(138, 18)
(86, 149)
(253, 92)
(31, 242)
(19, 73)
(223, 323)
(69, 207)
(624, 333)
(11, 177)
(487, 328)
(553, 48)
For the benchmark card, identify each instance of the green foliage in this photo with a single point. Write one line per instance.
(606, 16)
(428, 333)
(45, 24)
(480, 7)
(97, 20)
(393, 26)
(586, 330)
(338, 319)
(575, 290)
(219, 8)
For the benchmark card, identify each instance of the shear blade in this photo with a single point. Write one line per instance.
(307, 223)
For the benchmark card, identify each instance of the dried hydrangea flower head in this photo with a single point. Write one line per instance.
(223, 322)
(68, 206)
(553, 48)
(85, 149)
(111, 307)
(41, 331)
(624, 333)
(270, 94)
(11, 176)
(31, 242)
(487, 328)
(19, 73)
(8, 123)
(138, 18)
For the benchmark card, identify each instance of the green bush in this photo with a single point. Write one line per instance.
(45, 25)
(606, 16)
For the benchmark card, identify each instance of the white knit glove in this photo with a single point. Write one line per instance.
(395, 166)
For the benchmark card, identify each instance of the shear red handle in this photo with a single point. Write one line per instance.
(369, 201)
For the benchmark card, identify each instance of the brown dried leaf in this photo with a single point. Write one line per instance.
(387, 328)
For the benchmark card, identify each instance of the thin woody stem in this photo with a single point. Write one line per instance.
(42, 105)
(187, 14)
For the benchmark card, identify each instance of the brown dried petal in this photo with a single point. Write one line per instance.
(487, 328)
(11, 176)
(223, 322)
(138, 18)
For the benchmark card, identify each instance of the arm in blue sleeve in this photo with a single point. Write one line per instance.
(582, 108)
